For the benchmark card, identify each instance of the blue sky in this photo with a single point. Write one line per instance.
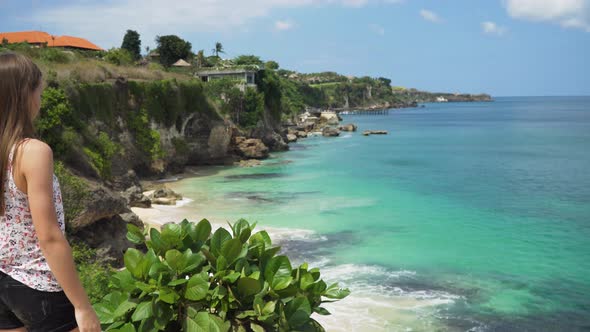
(502, 47)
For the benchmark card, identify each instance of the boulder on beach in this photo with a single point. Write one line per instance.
(348, 127)
(329, 118)
(291, 138)
(330, 132)
(252, 148)
(135, 197)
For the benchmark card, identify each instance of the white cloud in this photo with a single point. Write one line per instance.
(430, 16)
(492, 28)
(567, 13)
(105, 22)
(377, 29)
(284, 25)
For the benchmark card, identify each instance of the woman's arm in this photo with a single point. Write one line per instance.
(37, 168)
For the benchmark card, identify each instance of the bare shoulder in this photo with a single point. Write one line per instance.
(35, 153)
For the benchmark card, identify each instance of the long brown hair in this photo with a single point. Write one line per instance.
(19, 78)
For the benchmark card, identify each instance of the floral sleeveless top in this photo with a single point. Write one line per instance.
(20, 254)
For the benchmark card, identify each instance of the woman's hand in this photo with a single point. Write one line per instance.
(87, 320)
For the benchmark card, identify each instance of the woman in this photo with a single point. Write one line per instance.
(39, 287)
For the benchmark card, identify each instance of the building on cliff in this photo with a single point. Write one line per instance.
(245, 76)
(43, 39)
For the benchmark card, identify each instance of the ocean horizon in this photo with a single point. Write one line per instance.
(465, 217)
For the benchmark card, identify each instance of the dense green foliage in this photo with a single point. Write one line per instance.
(56, 121)
(119, 56)
(193, 280)
(132, 44)
(248, 60)
(94, 275)
(74, 191)
(101, 151)
(172, 48)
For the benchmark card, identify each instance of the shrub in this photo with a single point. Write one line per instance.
(73, 190)
(54, 117)
(94, 275)
(55, 55)
(195, 281)
(118, 56)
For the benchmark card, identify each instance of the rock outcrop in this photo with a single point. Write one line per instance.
(251, 148)
(348, 127)
(330, 132)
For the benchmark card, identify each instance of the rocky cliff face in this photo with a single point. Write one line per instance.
(151, 136)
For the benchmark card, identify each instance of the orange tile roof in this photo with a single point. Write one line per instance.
(69, 41)
(31, 37)
(40, 37)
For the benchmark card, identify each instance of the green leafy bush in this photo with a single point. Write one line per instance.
(55, 115)
(193, 280)
(119, 56)
(55, 55)
(94, 275)
(101, 154)
(74, 191)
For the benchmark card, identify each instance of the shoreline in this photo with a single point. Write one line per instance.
(370, 307)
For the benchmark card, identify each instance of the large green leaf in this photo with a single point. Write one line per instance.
(124, 308)
(156, 242)
(134, 234)
(218, 239)
(168, 295)
(172, 235)
(231, 250)
(132, 259)
(202, 231)
(261, 238)
(248, 287)
(297, 311)
(127, 328)
(201, 323)
(196, 288)
(335, 292)
(278, 272)
(104, 312)
(143, 311)
(123, 280)
(193, 262)
(176, 260)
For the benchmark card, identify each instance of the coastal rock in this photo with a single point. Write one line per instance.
(164, 192)
(99, 203)
(330, 132)
(348, 127)
(329, 118)
(219, 140)
(164, 201)
(374, 132)
(135, 197)
(291, 138)
(301, 134)
(248, 163)
(108, 236)
(270, 138)
(252, 148)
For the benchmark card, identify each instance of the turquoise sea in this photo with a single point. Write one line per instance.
(466, 217)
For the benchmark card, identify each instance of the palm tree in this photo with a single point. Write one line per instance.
(218, 49)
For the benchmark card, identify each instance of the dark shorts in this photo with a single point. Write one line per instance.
(38, 311)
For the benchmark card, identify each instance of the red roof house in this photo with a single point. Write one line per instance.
(40, 38)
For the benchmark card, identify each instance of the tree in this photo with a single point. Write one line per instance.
(385, 80)
(248, 60)
(201, 61)
(218, 49)
(172, 48)
(272, 65)
(132, 44)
